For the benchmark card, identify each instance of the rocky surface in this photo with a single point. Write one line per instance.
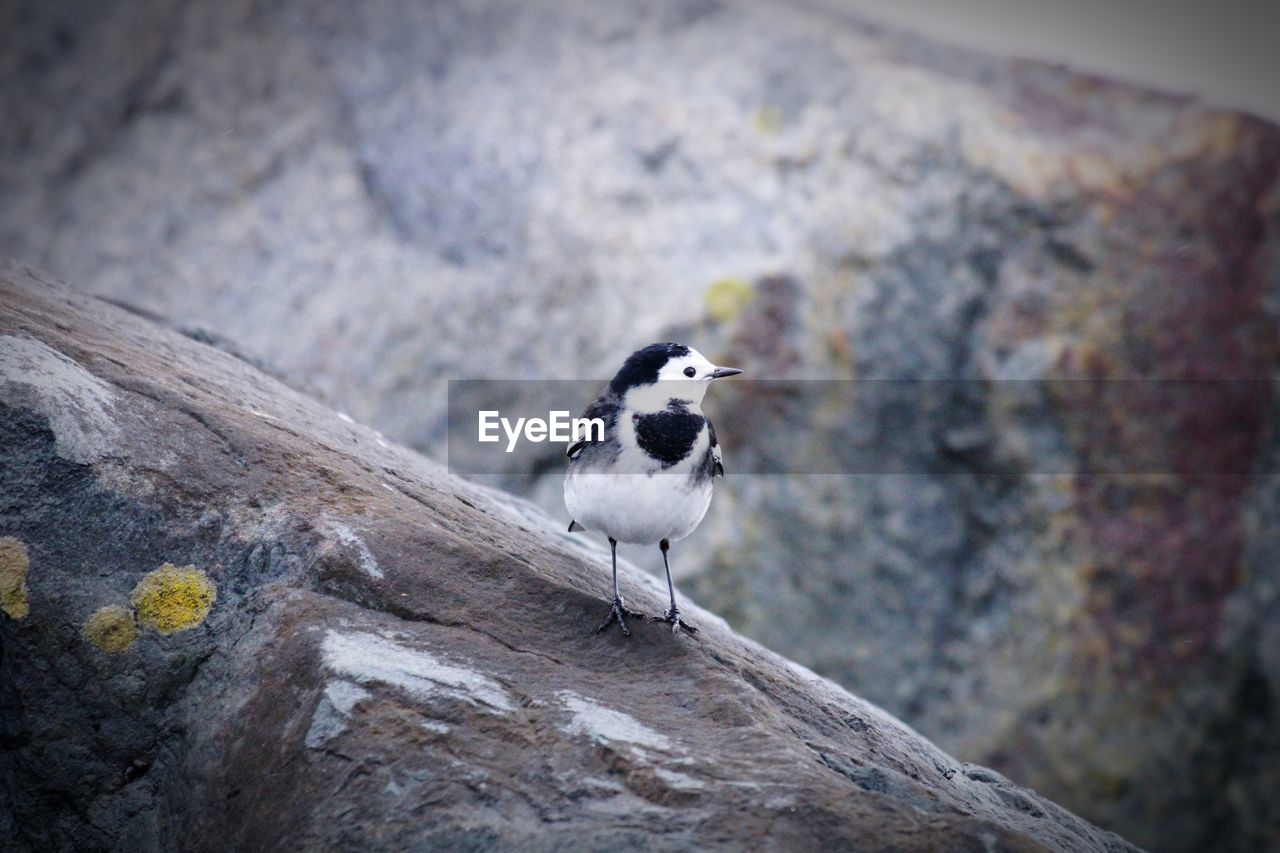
(374, 198)
(361, 651)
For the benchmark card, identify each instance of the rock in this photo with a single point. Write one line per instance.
(367, 653)
(373, 198)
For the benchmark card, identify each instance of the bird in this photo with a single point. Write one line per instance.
(648, 480)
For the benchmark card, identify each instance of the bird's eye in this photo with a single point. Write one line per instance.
(690, 372)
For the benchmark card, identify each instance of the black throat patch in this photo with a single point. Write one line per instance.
(667, 436)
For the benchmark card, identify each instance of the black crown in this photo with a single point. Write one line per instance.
(642, 366)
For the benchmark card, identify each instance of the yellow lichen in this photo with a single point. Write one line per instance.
(726, 298)
(173, 599)
(768, 120)
(14, 563)
(111, 628)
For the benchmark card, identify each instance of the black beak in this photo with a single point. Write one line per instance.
(722, 372)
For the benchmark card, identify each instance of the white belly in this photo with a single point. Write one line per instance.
(640, 509)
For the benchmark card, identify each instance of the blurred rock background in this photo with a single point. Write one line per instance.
(376, 197)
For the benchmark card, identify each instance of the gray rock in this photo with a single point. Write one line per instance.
(392, 657)
(374, 198)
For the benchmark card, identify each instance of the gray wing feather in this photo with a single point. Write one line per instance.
(604, 407)
(714, 459)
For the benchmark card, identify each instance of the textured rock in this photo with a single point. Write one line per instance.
(376, 197)
(395, 658)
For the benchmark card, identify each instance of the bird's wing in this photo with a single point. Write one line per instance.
(603, 408)
(716, 460)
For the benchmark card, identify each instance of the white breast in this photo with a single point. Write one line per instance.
(637, 500)
(641, 509)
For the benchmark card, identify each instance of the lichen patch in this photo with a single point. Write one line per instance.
(173, 599)
(15, 598)
(725, 299)
(111, 629)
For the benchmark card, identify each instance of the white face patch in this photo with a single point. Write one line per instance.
(674, 384)
(677, 368)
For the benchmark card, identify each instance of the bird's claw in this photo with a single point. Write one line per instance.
(672, 617)
(619, 613)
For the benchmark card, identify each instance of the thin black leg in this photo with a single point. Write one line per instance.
(613, 548)
(618, 613)
(665, 546)
(673, 614)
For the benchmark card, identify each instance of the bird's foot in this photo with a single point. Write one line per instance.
(672, 617)
(619, 614)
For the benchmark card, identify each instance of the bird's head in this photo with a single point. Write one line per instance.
(660, 374)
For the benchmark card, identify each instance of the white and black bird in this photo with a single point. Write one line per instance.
(649, 481)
